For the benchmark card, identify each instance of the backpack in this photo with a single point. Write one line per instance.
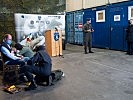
(56, 75)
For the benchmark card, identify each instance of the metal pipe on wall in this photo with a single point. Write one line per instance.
(108, 1)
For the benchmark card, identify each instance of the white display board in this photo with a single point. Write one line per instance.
(33, 26)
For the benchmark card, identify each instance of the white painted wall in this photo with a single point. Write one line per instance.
(72, 5)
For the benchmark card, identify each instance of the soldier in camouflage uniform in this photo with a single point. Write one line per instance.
(87, 36)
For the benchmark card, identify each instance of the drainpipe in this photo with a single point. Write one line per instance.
(108, 1)
(82, 4)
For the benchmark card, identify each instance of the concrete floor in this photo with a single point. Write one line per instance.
(103, 75)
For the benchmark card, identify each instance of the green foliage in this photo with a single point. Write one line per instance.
(9, 7)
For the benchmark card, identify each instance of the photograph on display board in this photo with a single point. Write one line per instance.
(31, 28)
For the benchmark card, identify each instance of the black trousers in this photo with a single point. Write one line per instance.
(29, 70)
(130, 48)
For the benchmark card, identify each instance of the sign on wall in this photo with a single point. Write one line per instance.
(130, 12)
(100, 16)
(117, 18)
(33, 27)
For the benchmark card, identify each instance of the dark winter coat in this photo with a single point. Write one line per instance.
(42, 60)
(129, 33)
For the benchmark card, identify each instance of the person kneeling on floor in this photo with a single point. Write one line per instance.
(40, 65)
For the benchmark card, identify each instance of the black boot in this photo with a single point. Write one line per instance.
(86, 52)
(23, 79)
(90, 51)
(32, 86)
(85, 48)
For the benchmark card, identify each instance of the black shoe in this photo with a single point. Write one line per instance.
(39, 79)
(30, 87)
(127, 53)
(91, 52)
(86, 52)
(23, 78)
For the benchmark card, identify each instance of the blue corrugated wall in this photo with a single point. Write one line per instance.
(70, 27)
(109, 34)
(78, 20)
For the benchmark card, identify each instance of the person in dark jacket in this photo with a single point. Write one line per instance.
(129, 37)
(87, 36)
(39, 65)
